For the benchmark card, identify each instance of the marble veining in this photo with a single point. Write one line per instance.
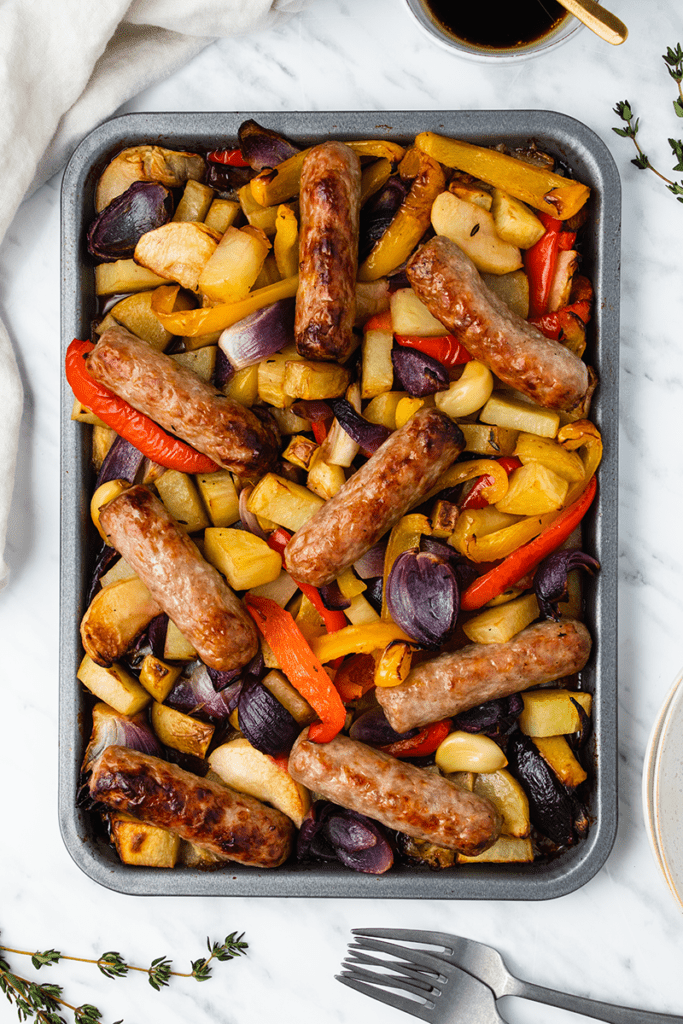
(618, 938)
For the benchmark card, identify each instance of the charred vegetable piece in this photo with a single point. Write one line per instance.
(264, 721)
(111, 728)
(372, 728)
(329, 832)
(106, 558)
(123, 461)
(378, 213)
(194, 692)
(550, 806)
(418, 374)
(423, 597)
(550, 578)
(259, 335)
(261, 147)
(368, 436)
(493, 718)
(144, 206)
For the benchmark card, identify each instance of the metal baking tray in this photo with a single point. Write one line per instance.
(570, 141)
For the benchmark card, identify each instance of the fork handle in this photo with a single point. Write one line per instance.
(589, 1007)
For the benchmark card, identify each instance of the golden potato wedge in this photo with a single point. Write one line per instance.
(284, 502)
(506, 850)
(244, 559)
(177, 251)
(512, 288)
(143, 845)
(120, 570)
(310, 380)
(114, 686)
(125, 276)
(514, 221)
(513, 413)
(409, 315)
(377, 373)
(559, 755)
(243, 385)
(499, 624)
(176, 647)
(115, 617)
(552, 713)
(136, 315)
(271, 376)
(180, 496)
(474, 230)
(249, 771)
(483, 439)
(201, 361)
(234, 266)
(222, 214)
(220, 497)
(195, 202)
(324, 478)
(508, 797)
(181, 732)
(158, 677)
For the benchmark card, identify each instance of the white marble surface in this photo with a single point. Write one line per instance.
(618, 938)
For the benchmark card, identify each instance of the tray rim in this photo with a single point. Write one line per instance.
(537, 881)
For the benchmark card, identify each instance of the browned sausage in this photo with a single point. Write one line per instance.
(191, 592)
(397, 476)
(399, 795)
(182, 403)
(328, 252)
(231, 825)
(451, 287)
(458, 680)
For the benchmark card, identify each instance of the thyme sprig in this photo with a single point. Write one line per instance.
(673, 58)
(44, 1003)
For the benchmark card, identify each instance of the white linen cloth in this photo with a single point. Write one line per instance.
(66, 66)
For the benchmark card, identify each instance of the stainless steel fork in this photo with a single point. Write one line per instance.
(486, 965)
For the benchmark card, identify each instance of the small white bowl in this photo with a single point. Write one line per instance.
(567, 28)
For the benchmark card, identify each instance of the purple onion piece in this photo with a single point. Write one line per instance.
(423, 597)
(114, 233)
(371, 564)
(194, 693)
(550, 807)
(313, 410)
(247, 518)
(493, 719)
(110, 728)
(418, 374)
(123, 461)
(332, 597)
(156, 634)
(374, 592)
(550, 578)
(264, 721)
(224, 178)
(373, 728)
(104, 561)
(329, 832)
(259, 335)
(262, 147)
(221, 680)
(368, 436)
(465, 571)
(223, 371)
(578, 739)
(378, 213)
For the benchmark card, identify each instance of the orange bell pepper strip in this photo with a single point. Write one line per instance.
(379, 322)
(332, 618)
(527, 557)
(298, 662)
(426, 741)
(355, 676)
(142, 432)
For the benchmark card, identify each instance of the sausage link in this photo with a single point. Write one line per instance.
(328, 252)
(399, 795)
(191, 592)
(458, 680)
(182, 403)
(448, 283)
(231, 825)
(397, 476)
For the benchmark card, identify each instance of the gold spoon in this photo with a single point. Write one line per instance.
(598, 20)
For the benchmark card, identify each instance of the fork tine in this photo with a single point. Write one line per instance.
(417, 956)
(356, 955)
(413, 979)
(409, 935)
(417, 987)
(391, 998)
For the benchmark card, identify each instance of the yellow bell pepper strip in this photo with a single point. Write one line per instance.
(584, 435)
(526, 558)
(364, 639)
(393, 664)
(490, 547)
(301, 666)
(405, 536)
(194, 322)
(476, 498)
(142, 432)
(495, 489)
(426, 741)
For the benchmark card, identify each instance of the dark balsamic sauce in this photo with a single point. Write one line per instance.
(498, 24)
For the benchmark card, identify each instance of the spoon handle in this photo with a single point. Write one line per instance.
(598, 20)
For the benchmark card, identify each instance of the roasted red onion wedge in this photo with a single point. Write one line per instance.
(195, 693)
(261, 147)
(372, 728)
(330, 832)
(493, 718)
(114, 233)
(112, 729)
(550, 578)
(423, 597)
(264, 721)
(368, 436)
(378, 213)
(123, 461)
(418, 374)
(259, 335)
(550, 806)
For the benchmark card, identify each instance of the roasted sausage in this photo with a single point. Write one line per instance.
(449, 284)
(231, 825)
(328, 252)
(182, 403)
(457, 680)
(399, 795)
(397, 476)
(191, 592)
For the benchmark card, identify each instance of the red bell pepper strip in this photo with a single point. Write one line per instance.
(526, 558)
(540, 262)
(142, 432)
(319, 428)
(332, 618)
(229, 157)
(567, 240)
(426, 741)
(300, 665)
(474, 498)
(445, 348)
(552, 323)
(355, 677)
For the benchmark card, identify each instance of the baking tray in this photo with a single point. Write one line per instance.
(570, 141)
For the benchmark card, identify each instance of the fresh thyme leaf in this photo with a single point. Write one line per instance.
(112, 965)
(159, 973)
(678, 107)
(46, 959)
(201, 970)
